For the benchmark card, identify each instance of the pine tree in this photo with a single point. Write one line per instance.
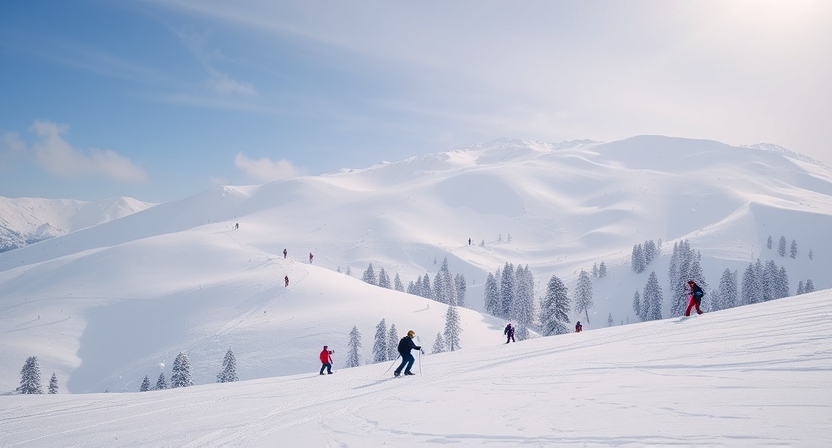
(397, 283)
(770, 273)
(752, 287)
(728, 288)
(554, 310)
(649, 251)
(229, 368)
(811, 256)
(30, 377)
(781, 288)
(392, 343)
(348, 272)
(637, 260)
(594, 270)
(181, 374)
(610, 322)
(793, 251)
(800, 289)
(768, 243)
(439, 344)
(427, 291)
(637, 305)
(781, 249)
(354, 356)
(369, 275)
(161, 383)
(459, 281)
(452, 328)
(810, 287)
(653, 296)
(53, 384)
(522, 308)
(492, 296)
(602, 270)
(383, 279)
(380, 350)
(145, 384)
(507, 291)
(583, 294)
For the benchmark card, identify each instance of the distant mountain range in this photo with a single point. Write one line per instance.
(25, 221)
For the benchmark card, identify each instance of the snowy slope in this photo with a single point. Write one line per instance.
(759, 375)
(110, 303)
(25, 221)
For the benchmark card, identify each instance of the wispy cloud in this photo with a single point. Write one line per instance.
(218, 81)
(266, 170)
(58, 157)
(221, 83)
(12, 151)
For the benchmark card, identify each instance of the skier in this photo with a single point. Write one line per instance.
(236, 226)
(310, 257)
(695, 299)
(469, 241)
(406, 344)
(326, 360)
(578, 327)
(509, 332)
(284, 253)
(286, 281)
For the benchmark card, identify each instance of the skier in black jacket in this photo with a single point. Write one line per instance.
(405, 346)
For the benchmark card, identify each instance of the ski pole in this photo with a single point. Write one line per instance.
(391, 366)
(421, 350)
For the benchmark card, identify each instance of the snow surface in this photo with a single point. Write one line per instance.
(758, 375)
(106, 305)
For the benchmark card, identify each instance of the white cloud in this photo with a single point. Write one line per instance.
(266, 170)
(12, 151)
(221, 83)
(58, 157)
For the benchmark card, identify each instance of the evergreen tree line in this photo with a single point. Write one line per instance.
(556, 303)
(599, 271)
(181, 373)
(644, 254)
(382, 280)
(509, 294)
(30, 379)
(446, 287)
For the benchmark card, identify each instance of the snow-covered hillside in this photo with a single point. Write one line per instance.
(759, 375)
(109, 304)
(25, 221)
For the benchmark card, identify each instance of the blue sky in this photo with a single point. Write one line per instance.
(159, 100)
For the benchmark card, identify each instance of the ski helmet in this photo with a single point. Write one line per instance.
(411, 333)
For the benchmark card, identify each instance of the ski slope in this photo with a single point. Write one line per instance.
(759, 375)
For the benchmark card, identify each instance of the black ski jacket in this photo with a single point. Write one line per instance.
(406, 345)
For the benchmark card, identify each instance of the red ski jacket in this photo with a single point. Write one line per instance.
(325, 356)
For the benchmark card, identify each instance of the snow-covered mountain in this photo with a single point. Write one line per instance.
(26, 221)
(112, 303)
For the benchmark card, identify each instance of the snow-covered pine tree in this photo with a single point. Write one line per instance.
(384, 279)
(781, 248)
(492, 295)
(427, 291)
(459, 281)
(781, 286)
(793, 251)
(439, 344)
(229, 368)
(637, 259)
(397, 283)
(145, 384)
(507, 291)
(653, 296)
(554, 310)
(649, 251)
(752, 287)
(181, 374)
(602, 270)
(673, 274)
(348, 272)
(583, 294)
(30, 377)
(768, 242)
(161, 383)
(411, 288)
(380, 351)
(354, 355)
(392, 343)
(637, 305)
(522, 308)
(594, 270)
(810, 286)
(610, 322)
(770, 273)
(53, 384)
(369, 275)
(728, 291)
(452, 328)
(800, 289)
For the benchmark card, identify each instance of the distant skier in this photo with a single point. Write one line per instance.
(286, 281)
(310, 257)
(578, 327)
(326, 360)
(695, 298)
(406, 344)
(236, 226)
(469, 241)
(284, 253)
(509, 332)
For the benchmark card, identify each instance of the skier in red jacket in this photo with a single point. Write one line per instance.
(695, 299)
(578, 327)
(326, 360)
